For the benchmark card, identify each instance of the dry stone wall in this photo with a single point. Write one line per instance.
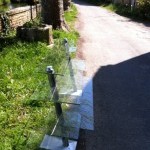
(21, 15)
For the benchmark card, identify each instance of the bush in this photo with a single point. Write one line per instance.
(2, 2)
(143, 7)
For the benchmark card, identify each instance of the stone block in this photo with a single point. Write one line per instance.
(43, 34)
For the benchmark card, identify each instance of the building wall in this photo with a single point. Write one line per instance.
(21, 15)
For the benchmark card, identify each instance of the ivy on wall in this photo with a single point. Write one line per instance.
(5, 24)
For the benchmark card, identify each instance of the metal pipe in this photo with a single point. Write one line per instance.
(58, 108)
(52, 82)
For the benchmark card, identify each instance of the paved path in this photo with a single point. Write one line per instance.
(117, 56)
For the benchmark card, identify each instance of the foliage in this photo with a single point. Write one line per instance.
(125, 10)
(70, 16)
(120, 9)
(5, 24)
(3, 2)
(140, 12)
(33, 23)
(72, 36)
(143, 7)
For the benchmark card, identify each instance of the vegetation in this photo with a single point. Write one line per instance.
(25, 120)
(5, 22)
(139, 12)
(3, 2)
(70, 16)
(143, 8)
(125, 10)
(22, 117)
(33, 23)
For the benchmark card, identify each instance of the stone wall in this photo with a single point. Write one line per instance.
(21, 15)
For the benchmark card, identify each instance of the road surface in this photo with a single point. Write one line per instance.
(116, 50)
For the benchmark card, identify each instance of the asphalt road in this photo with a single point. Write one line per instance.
(116, 50)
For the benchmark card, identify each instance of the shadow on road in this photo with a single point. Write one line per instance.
(122, 106)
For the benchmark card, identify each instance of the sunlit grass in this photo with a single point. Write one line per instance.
(22, 68)
(24, 121)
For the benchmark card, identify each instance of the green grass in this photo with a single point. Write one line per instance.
(117, 8)
(24, 121)
(72, 35)
(22, 69)
(140, 13)
(71, 15)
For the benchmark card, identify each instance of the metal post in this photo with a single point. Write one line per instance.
(52, 82)
(70, 64)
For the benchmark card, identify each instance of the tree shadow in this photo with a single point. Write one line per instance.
(122, 105)
(83, 2)
(145, 23)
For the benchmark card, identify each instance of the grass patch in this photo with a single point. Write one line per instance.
(71, 15)
(117, 8)
(22, 69)
(24, 121)
(73, 35)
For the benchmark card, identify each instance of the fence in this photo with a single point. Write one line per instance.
(73, 103)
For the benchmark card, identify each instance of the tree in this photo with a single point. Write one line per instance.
(52, 13)
(67, 4)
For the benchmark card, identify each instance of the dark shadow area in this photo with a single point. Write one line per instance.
(83, 2)
(5, 41)
(146, 23)
(122, 106)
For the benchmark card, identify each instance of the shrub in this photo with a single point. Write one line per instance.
(143, 7)
(2, 2)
